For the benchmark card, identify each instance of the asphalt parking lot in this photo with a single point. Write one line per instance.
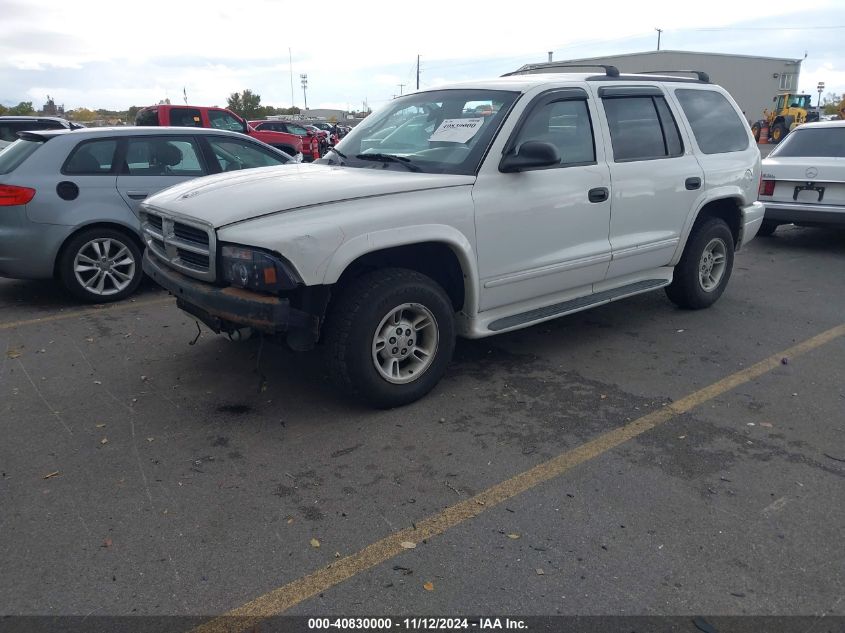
(596, 464)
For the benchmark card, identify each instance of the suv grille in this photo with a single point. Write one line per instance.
(187, 245)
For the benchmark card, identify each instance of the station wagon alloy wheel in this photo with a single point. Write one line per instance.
(104, 266)
(405, 343)
(711, 268)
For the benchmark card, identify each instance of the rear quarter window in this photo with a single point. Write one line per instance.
(714, 121)
(91, 157)
(147, 117)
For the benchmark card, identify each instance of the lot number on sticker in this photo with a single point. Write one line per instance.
(457, 130)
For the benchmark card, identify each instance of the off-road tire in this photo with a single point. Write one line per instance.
(350, 329)
(686, 289)
(67, 259)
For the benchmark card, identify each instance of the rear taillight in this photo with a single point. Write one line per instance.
(11, 196)
(767, 187)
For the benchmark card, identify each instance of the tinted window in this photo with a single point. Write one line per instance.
(564, 124)
(827, 142)
(233, 154)
(172, 156)
(715, 123)
(91, 157)
(147, 117)
(9, 129)
(16, 153)
(295, 129)
(224, 121)
(185, 117)
(638, 132)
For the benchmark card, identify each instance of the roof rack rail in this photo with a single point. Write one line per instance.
(702, 76)
(610, 71)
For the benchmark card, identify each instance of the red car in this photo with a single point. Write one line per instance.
(221, 119)
(310, 139)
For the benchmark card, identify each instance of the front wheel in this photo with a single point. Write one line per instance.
(704, 270)
(778, 132)
(101, 265)
(389, 337)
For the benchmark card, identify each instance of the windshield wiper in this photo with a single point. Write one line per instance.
(338, 152)
(390, 158)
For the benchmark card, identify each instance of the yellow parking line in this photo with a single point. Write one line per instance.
(81, 313)
(293, 593)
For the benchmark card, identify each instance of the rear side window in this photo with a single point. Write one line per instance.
(147, 117)
(185, 117)
(171, 156)
(714, 122)
(16, 153)
(91, 157)
(642, 128)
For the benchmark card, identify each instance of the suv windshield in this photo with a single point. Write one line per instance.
(438, 132)
(820, 142)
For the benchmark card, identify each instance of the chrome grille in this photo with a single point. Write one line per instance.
(186, 245)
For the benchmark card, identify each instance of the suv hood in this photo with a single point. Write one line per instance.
(243, 195)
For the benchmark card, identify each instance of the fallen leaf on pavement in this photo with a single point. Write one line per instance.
(540, 571)
(14, 353)
(151, 439)
(315, 543)
(107, 543)
(55, 473)
(89, 339)
(428, 586)
(105, 440)
(99, 426)
(98, 382)
(408, 544)
(768, 425)
(513, 536)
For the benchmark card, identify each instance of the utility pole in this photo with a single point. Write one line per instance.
(418, 72)
(659, 33)
(304, 79)
(400, 88)
(290, 61)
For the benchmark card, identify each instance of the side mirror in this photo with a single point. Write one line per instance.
(531, 154)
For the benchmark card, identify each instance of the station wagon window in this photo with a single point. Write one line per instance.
(185, 117)
(91, 157)
(714, 122)
(641, 128)
(156, 156)
(564, 124)
(233, 154)
(224, 121)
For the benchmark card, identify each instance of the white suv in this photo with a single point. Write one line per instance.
(469, 210)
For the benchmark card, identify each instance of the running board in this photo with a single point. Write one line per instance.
(575, 304)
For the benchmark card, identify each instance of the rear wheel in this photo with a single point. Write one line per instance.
(767, 228)
(389, 337)
(101, 265)
(705, 267)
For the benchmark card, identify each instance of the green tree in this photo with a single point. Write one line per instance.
(830, 103)
(3, 109)
(22, 109)
(82, 114)
(247, 104)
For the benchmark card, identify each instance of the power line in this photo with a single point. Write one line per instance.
(766, 28)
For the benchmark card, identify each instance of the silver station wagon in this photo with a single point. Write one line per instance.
(69, 200)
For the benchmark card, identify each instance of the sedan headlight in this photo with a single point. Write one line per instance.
(257, 270)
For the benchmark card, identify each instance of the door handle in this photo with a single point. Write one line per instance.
(599, 194)
(692, 183)
(137, 195)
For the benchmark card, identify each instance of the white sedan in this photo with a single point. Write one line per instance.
(803, 179)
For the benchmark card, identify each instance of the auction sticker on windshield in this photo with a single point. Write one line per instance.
(457, 130)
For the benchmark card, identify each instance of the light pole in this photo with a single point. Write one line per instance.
(820, 88)
(304, 79)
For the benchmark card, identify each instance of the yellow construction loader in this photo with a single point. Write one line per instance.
(789, 111)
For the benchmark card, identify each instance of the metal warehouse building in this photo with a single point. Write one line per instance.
(752, 81)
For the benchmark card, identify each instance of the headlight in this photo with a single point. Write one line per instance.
(257, 270)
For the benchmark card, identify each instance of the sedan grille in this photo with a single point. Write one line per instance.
(186, 245)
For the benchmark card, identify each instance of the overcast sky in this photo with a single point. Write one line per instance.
(107, 55)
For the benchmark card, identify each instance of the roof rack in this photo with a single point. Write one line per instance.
(610, 71)
(702, 76)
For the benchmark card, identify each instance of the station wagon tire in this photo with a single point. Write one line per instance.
(101, 265)
(767, 228)
(369, 357)
(704, 270)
